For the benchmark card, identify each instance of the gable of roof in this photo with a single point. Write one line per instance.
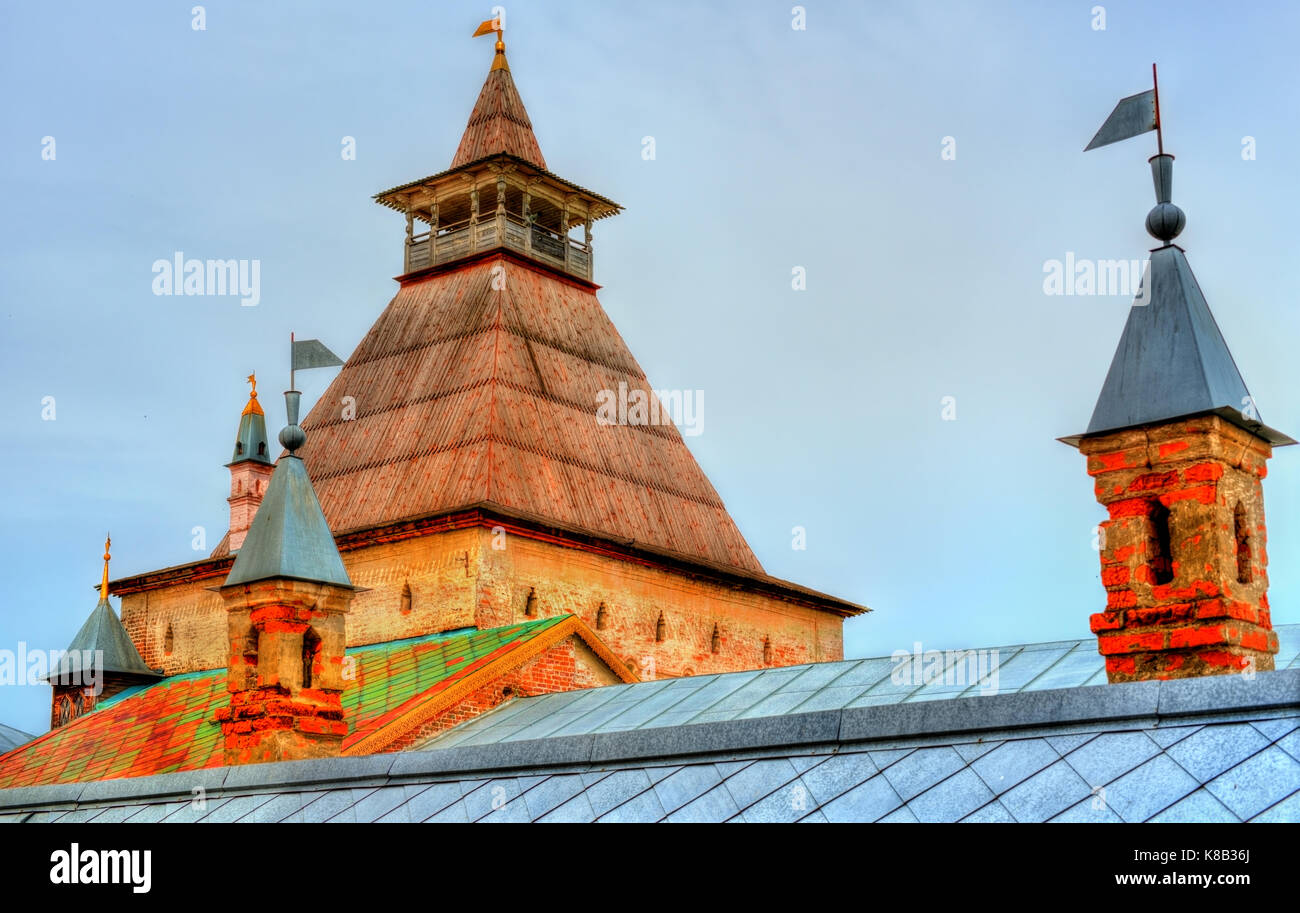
(479, 395)
(168, 726)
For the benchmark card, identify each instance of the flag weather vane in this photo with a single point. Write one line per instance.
(1132, 117)
(487, 27)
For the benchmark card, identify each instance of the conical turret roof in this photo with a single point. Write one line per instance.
(499, 123)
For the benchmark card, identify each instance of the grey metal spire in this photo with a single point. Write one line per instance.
(104, 639)
(289, 537)
(1172, 361)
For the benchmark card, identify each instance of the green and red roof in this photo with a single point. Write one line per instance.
(168, 726)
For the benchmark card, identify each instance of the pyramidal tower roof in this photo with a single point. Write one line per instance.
(104, 637)
(1172, 360)
(483, 380)
(482, 387)
(499, 123)
(289, 538)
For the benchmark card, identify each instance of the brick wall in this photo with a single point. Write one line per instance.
(458, 579)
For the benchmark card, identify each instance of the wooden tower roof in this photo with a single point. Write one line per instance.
(478, 386)
(499, 123)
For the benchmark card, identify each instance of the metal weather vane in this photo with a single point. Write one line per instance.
(1132, 117)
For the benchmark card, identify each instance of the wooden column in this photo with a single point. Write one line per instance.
(586, 239)
(473, 218)
(564, 232)
(501, 209)
(528, 223)
(433, 233)
(410, 234)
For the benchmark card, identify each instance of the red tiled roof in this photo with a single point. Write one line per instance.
(466, 395)
(167, 727)
(498, 123)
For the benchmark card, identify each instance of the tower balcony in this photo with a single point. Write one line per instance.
(511, 230)
(498, 202)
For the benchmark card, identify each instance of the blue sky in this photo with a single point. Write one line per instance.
(775, 148)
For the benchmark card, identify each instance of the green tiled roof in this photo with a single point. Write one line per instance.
(168, 726)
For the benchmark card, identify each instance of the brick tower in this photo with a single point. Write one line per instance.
(250, 468)
(1178, 452)
(286, 600)
(468, 464)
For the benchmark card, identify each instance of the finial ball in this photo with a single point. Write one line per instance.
(1165, 221)
(292, 437)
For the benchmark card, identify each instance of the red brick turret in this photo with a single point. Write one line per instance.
(1183, 555)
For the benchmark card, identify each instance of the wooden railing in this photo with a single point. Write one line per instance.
(451, 242)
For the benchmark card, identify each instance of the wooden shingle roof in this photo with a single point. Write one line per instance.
(479, 385)
(498, 124)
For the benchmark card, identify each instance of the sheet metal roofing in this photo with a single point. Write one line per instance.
(795, 689)
(105, 639)
(168, 726)
(1172, 360)
(11, 738)
(477, 395)
(1222, 748)
(289, 537)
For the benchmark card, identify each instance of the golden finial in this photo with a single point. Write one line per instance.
(103, 586)
(253, 407)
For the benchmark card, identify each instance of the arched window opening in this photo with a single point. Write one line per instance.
(310, 647)
(169, 640)
(1241, 532)
(1159, 555)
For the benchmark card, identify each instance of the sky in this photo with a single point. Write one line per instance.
(919, 163)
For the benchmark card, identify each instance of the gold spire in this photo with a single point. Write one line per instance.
(103, 586)
(253, 407)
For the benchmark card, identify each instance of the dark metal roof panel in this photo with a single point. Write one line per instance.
(104, 636)
(289, 537)
(1172, 360)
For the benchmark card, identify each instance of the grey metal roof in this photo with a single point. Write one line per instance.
(289, 537)
(11, 738)
(1172, 360)
(1222, 748)
(789, 690)
(104, 639)
(251, 443)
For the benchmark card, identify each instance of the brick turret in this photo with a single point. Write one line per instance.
(287, 599)
(1178, 453)
(250, 469)
(1183, 555)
